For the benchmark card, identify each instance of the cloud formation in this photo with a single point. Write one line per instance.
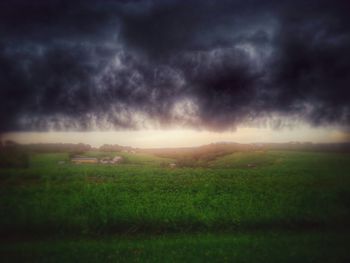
(82, 65)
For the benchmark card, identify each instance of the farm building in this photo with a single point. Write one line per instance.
(81, 160)
(172, 165)
(108, 160)
(117, 159)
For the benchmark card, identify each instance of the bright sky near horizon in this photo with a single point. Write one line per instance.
(182, 137)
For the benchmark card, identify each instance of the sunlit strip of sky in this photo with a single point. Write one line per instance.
(183, 137)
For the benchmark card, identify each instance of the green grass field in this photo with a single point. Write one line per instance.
(274, 206)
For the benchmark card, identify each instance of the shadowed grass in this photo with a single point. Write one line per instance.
(257, 247)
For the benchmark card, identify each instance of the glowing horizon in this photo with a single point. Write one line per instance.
(183, 137)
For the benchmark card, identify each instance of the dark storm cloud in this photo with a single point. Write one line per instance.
(207, 64)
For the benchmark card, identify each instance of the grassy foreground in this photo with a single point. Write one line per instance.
(249, 247)
(258, 206)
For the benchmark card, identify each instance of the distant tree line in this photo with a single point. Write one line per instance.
(13, 156)
(114, 148)
(17, 155)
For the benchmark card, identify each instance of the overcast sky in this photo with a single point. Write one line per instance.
(203, 65)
